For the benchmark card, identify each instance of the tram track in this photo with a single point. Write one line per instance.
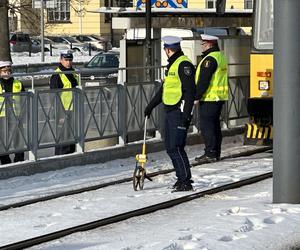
(245, 153)
(133, 213)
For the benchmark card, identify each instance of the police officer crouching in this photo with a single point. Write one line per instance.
(212, 92)
(9, 85)
(65, 81)
(177, 95)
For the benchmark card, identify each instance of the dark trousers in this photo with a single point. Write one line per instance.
(210, 127)
(175, 140)
(64, 123)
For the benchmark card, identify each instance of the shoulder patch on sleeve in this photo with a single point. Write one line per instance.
(187, 70)
(206, 63)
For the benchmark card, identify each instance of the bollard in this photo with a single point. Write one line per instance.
(50, 49)
(29, 48)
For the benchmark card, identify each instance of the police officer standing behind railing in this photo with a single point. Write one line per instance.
(9, 85)
(177, 94)
(65, 116)
(212, 92)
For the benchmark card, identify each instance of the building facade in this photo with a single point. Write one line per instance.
(70, 17)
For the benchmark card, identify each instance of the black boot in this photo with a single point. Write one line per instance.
(205, 159)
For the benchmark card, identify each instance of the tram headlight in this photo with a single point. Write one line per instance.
(264, 85)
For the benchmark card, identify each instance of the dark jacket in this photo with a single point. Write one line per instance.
(7, 85)
(55, 80)
(207, 69)
(186, 72)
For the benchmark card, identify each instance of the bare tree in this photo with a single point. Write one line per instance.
(4, 31)
(30, 17)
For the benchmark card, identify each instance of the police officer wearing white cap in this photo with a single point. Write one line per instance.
(9, 84)
(212, 92)
(65, 81)
(177, 95)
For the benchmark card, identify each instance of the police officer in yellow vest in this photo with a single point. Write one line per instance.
(65, 81)
(8, 85)
(177, 95)
(212, 91)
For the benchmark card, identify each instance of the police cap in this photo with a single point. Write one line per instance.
(5, 64)
(209, 38)
(67, 54)
(171, 41)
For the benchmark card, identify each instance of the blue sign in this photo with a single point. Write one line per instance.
(163, 3)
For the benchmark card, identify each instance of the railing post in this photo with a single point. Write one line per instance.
(80, 119)
(122, 109)
(34, 126)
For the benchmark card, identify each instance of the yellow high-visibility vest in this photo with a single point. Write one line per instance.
(17, 87)
(218, 87)
(66, 97)
(172, 91)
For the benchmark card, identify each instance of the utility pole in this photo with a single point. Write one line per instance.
(80, 17)
(148, 38)
(286, 171)
(42, 31)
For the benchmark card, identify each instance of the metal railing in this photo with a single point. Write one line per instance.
(38, 119)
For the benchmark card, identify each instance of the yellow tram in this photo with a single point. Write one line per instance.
(260, 103)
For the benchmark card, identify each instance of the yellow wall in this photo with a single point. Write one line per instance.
(92, 23)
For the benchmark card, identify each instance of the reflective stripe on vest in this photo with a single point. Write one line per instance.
(17, 87)
(218, 87)
(172, 91)
(66, 97)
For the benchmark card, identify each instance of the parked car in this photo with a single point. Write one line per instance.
(96, 43)
(66, 42)
(108, 61)
(47, 43)
(21, 42)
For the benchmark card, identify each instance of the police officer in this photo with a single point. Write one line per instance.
(9, 85)
(65, 81)
(212, 92)
(177, 95)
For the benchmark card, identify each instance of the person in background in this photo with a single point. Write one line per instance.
(66, 116)
(177, 95)
(9, 85)
(212, 92)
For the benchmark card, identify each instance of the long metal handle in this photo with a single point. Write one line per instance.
(145, 130)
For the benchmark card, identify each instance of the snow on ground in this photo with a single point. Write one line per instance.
(22, 58)
(242, 218)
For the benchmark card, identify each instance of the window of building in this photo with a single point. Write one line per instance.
(210, 4)
(61, 13)
(248, 4)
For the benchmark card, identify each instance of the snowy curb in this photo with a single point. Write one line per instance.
(98, 156)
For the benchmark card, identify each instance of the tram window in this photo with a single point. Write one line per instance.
(263, 25)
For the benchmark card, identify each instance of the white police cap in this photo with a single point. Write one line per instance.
(68, 54)
(171, 41)
(5, 64)
(205, 37)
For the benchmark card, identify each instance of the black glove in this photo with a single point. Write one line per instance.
(148, 111)
(186, 122)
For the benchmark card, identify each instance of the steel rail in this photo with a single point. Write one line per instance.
(115, 182)
(138, 212)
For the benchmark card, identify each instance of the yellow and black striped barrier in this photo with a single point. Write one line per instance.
(258, 135)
